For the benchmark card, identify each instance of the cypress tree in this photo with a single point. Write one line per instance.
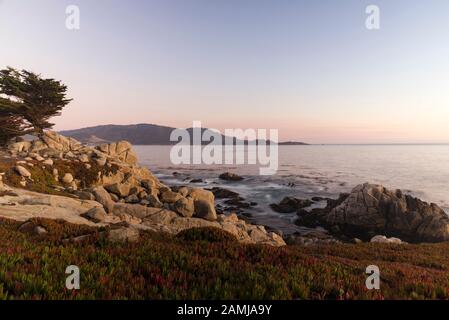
(27, 95)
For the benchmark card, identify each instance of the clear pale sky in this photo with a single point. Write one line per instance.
(308, 68)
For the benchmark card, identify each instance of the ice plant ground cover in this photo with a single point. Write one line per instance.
(208, 264)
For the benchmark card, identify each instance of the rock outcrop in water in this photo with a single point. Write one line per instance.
(228, 176)
(104, 186)
(371, 209)
(290, 205)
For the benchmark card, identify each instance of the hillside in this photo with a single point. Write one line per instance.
(293, 143)
(136, 134)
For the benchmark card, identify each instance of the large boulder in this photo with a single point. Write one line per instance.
(204, 202)
(221, 193)
(122, 180)
(170, 222)
(168, 196)
(121, 150)
(96, 214)
(134, 210)
(201, 194)
(38, 145)
(153, 201)
(185, 207)
(112, 178)
(22, 205)
(20, 146)
(120, 189)
(290, 205)
(104, 198)
(371, 210)
(22, 171)
(55, 141)
(205, 210)
(230, 177)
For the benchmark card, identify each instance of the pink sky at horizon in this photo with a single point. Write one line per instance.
(309, 69)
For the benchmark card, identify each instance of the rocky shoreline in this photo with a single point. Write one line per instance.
(369, 213)
(370, 210)
(104, 185)
(59, 178)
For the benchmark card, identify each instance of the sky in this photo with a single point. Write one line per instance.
(310, 69)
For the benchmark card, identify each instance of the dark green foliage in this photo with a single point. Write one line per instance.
(208, 234)
(30, 98)
(11, 124)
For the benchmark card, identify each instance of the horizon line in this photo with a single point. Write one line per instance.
(299, 142)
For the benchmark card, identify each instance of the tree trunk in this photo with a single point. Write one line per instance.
(39, 133)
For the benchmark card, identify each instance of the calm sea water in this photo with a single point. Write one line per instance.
(306, 171)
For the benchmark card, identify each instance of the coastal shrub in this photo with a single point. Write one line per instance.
(30, 101)
(86, 177)
(43, 180)
(208, 234)
(161, 266)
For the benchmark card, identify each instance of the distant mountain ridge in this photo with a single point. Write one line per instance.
(137, 134)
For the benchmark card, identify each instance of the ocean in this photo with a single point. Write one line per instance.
(317, 170)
